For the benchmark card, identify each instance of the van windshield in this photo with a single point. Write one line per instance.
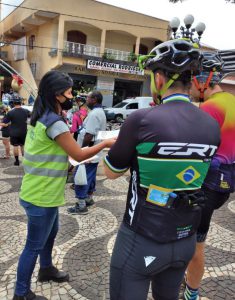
(121, 104)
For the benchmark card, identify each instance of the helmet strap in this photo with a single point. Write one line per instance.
(163, 90)
(204, 86)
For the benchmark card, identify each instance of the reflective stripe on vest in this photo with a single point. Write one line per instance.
(46, 166)
(45, 158)
(45, 172)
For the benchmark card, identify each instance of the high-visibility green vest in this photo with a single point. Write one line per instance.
(45, 165)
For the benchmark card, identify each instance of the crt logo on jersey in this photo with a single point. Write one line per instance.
(186, 149)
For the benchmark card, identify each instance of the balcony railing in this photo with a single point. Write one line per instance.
(117, 54)
(75, 49)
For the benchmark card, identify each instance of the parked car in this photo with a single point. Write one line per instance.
(122, 110)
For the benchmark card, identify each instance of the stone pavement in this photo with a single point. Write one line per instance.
(84, 243)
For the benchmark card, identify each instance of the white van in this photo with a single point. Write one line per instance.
(123, 109)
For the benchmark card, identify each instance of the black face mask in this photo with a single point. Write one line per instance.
(67, 104)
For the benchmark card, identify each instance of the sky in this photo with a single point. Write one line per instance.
(218, 16)
(5, 10)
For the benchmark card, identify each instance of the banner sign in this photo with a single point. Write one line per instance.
(113, 67)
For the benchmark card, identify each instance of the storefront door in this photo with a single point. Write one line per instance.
(124, 89)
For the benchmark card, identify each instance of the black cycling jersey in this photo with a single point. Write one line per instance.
(168, 150)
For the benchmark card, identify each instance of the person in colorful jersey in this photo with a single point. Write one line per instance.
(220, 180)
(48, 144)
(168, 149)
(79, 116)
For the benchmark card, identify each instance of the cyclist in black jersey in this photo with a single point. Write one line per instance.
(168, 149)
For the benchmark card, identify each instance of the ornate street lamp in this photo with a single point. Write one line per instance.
(187, 31)
(174, 24)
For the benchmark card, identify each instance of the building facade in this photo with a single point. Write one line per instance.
(96, 43)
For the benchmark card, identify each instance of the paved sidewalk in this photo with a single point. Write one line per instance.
(84, 243)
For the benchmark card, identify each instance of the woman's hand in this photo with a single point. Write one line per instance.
(68, 143)
(110, 142)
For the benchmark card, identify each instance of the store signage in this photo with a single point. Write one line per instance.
(113, 67)
(105, 84)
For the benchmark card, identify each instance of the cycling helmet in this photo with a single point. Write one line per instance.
(55, 82)
(176, 56)
(211, 61)
(16, 99)
(211, 72)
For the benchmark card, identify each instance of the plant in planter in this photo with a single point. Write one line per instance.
(108, 56)
(132, 57)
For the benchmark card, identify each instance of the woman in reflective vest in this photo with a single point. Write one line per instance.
(48, 144)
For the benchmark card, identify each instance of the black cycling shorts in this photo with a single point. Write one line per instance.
(214, 200)
(5, 135)
(137, 261)
(17, 140)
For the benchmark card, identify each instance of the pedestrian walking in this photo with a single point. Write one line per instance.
(220, 180)
(17, 120)
(168, 149)
(5, 133)
(48, 144)
(95, 122)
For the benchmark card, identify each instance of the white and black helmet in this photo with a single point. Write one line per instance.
(211, 61)
(175, 56)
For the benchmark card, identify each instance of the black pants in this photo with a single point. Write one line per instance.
(214, 200)
(137, 261)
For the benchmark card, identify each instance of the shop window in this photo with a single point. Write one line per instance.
(33, 67)
(31, 42)
(76, 36)
(142, 50)
(77, 41)
(83, 83)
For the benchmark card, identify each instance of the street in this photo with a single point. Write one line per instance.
(84, 243)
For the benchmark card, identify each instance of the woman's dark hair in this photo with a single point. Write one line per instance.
(52, 83)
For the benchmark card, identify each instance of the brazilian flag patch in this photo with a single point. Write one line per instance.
(188, 175)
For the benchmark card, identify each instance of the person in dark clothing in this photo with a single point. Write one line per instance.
(17, 118)
(168, 149)
(5, 133)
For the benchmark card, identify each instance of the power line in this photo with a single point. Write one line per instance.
(86, 18)
(54, 48)
(27, 45)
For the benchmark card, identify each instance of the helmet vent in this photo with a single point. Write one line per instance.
(163, 49)
(182, 47)
(180, 58)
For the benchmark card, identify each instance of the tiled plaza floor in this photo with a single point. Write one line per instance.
(84, 243)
